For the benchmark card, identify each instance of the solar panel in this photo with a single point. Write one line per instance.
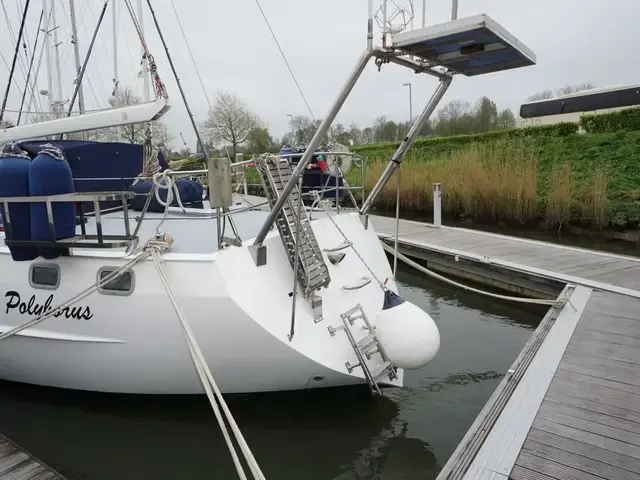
(471, 46)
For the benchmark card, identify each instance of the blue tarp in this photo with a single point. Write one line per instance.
(93, 162)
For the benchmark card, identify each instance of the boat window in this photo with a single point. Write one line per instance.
(121, 285)
(44, 276)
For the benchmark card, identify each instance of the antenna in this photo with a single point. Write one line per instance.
(394, 16)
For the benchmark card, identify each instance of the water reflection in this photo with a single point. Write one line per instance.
(338, 434)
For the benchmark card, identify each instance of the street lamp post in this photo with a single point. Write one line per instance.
(292, 132)
(410, 102)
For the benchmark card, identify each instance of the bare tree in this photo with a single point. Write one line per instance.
(569, 89)
(543, 95)
(455, 109)
(230, 120)
(134, 133)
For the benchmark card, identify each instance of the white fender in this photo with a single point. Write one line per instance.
(408, 335)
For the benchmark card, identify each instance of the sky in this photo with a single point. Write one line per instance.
(575, 41)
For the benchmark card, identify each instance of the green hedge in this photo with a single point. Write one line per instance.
(438, 145)
(624, 120)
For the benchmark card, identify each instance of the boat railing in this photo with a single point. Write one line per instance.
(119, 201)
(84, 240)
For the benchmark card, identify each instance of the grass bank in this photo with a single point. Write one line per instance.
(591, 180)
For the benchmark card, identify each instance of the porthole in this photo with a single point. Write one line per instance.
(123, 284)
(44, 275)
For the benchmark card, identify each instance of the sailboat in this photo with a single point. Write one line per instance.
(296, 297)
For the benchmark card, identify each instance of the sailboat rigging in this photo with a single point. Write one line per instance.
(310, 303)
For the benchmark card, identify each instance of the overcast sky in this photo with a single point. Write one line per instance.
(574, 41)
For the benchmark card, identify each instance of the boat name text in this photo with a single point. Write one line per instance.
(33, 308)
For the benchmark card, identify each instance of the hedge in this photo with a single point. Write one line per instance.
(437, 145)
(624, 120)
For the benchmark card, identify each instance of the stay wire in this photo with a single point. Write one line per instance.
(195, 66)
(285, 60)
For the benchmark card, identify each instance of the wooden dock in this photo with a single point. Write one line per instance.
(16, 464)
(569, 406)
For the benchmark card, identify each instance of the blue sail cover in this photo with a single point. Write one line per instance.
(97, 166)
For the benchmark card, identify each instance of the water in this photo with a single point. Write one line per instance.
(340, 434)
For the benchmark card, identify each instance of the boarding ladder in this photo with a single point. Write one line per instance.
(313, 273)
(374, 367)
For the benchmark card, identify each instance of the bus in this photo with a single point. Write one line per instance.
(571, 107)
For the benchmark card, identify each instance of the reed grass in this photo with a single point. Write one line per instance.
(495, 182)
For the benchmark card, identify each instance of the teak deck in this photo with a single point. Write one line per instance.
(569, 407)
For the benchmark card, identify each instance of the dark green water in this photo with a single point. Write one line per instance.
(340, 434)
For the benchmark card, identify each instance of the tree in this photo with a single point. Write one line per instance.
(355, 134)
(6, 123)
(486, 113)
(505, 119)
(230, 120)
(402, 130)
(340, 135)
(259, 140)
(568, 89)
(543, 95)
(427, 129)
(136, 132)
(368, 136)
(454, 118)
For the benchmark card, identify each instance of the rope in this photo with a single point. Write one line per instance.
(164, 181)
(554, 303)
(209, 384)
(53, 152)
(162, 243)
(160, 88)
(154, 248)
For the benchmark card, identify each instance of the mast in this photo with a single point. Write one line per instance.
(47, 47)
(56, 45)
(78, 89)
(15, 58)
(115, 51)
(76, 52)
(33, 57)
(145, 60)
(177, 78)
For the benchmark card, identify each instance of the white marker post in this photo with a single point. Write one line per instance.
(437, 205)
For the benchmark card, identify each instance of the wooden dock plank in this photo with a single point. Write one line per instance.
(577, 462)
(555, 406)
(588, 423)
(548, 466)
(593, 404)
(584, 375)
(587, 437)
(618, 270)
(602, 455)
(15, 464)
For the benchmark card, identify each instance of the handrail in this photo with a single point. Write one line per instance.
(315, 141)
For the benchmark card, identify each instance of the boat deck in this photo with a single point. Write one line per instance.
(15, 464)
(569, 406)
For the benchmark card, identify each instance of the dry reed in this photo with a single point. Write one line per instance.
(492, 183)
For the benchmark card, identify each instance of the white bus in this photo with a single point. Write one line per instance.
(570, 108)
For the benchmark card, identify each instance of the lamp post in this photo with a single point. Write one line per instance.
(292, 132)
(410, 102)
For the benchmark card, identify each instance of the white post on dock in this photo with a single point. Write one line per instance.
(437, 205)
(241, 173)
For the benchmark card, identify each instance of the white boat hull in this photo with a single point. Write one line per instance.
(240, 315)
